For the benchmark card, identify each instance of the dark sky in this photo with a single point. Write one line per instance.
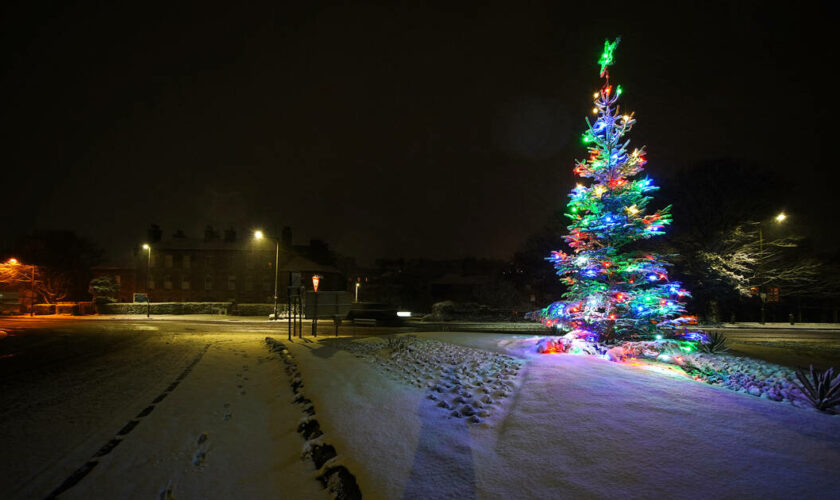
(389, 130)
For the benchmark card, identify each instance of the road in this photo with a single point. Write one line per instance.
(71, 388)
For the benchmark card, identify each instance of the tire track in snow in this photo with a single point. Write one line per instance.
(108, 447)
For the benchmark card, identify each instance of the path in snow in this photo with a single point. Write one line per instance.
(575, 426)
(227, 431)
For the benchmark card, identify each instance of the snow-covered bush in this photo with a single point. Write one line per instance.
(714, 343)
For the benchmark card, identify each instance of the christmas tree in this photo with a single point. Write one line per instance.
(615, 289)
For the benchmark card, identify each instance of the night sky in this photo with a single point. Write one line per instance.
(390, 130)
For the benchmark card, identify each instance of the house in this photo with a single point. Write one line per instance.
(217, 269)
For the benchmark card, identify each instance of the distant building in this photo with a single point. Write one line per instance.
(217, 269)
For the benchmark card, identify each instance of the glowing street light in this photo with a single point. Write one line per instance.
(148, 249)
(14, 262)
(258, 235)
(763, 295)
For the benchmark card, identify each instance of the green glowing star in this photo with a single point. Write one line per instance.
(607, 56)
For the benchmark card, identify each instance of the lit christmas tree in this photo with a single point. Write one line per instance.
(614, 291)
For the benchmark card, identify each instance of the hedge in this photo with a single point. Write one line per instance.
(165, 308)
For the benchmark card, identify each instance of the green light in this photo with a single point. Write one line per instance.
(618, 90)
(607, 57)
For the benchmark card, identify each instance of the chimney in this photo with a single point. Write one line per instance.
(286, 236)
(230, 235)
(154, 233)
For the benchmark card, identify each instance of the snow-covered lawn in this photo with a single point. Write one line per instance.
(456, 415)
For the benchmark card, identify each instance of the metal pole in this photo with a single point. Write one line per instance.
(276, 271)
(315, 316)
(760, 278)
(289, 305)
(148, 272)
(32, 294)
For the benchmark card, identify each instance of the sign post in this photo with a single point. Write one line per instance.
(316, 280)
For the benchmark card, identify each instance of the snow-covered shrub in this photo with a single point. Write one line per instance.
(714, 343)
(399, 343)
(820, 389)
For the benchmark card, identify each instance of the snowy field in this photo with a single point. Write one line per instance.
(180, 409)
(452, 415)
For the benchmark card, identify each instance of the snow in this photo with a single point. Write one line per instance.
(228, 431)
(567, 426)
(423, 415)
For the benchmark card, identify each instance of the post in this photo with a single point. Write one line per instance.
(276, 274)
(315, 316)
(289, 305)
(148, 272)
(763, 296)
(32, 294)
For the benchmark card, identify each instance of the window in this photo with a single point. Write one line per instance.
(151, 283)
(185, 284)
(167, 282)
(231, 282)
(208, 282)
(167, 261)
(185, 261)
(117, 279)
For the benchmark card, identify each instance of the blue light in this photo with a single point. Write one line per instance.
(653, 277)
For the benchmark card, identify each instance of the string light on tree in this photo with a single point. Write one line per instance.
(614, 291)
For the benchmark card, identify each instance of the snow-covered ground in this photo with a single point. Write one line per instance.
(423, 415)
(228, 431)
(553, 426)
(147, 410)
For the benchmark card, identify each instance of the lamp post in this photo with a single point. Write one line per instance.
(258, 235)
(148, 249)
(358, 285)
(14, 262)
(761, 293)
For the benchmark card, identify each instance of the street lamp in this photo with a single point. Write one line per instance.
(358, 285)
(762, 294)
(14, 262)
(148, 249)
(258, 235)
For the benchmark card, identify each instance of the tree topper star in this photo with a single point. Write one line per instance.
(607, 55)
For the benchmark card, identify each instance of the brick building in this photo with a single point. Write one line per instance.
(216, 269)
